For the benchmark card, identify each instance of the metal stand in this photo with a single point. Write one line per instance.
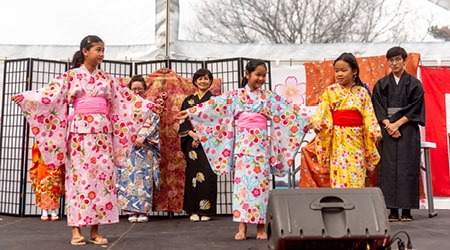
(427, 168)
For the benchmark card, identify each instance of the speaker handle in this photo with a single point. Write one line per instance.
(331, 202)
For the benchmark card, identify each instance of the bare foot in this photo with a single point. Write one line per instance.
(96, 238)
(77, 238)
(260, 233)
(242, 233)
(76, 232)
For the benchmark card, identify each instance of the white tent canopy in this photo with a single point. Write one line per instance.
(434, 52)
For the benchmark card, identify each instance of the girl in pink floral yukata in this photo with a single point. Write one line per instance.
(248, 150)
(91, 141)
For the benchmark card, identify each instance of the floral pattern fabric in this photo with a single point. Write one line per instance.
(90, 145)
(349, 151)
(172, 164)
(46, 182)
(140, 172)
(249, 152)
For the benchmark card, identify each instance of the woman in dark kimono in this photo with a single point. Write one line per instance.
(200, 191)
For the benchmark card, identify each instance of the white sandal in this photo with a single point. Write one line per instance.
(194, 217)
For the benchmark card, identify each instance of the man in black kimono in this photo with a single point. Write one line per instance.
(398, 100)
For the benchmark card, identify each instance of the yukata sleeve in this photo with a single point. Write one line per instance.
(379, 101)
(371, 134)
(185, 126)
(415, 109)
(45, 110)
(150, 129)
(151, 132)
(128, 113)
(287, 130)
(36, 158)
(324, 118)
(214, 123)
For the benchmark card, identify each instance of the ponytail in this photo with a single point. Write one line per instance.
(86, 43)
(244, 81)
(77, 60)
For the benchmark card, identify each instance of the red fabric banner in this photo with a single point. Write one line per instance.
(436, 84)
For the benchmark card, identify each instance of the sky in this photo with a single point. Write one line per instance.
(131, 22)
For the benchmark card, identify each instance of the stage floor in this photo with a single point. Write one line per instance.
(179, 233)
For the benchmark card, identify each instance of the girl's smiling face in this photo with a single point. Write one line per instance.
(257, 77)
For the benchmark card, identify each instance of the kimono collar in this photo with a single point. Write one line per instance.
(256, 92)
(85, 70)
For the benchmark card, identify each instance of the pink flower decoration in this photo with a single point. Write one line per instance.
(109, 206)
(256, 192)
(45, 100)
(292, 90)
(226, 152)
(123, 140)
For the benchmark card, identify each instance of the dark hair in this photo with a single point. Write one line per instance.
(396, 51)
(86, 43)
(202, 72)
(351, 60)
(250, 67)
(137, 78)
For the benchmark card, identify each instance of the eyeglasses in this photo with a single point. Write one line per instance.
(395, 59)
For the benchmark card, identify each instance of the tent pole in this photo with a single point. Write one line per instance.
(167, 47)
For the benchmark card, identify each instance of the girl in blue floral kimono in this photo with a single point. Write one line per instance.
(248, 150)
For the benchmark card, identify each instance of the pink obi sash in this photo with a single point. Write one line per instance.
(252, 120)
(89, 105)
(347, 118)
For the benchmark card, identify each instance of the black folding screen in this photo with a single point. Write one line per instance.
(16, 196)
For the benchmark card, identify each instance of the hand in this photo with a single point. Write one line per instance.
(17, 99)
(315, 126)
(194, 136)
(158, 108)
(139, 141)
(391, 128)
(195, 143)
(181, 115)
(396, 134)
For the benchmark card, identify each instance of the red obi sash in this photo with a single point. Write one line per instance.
(347, 118)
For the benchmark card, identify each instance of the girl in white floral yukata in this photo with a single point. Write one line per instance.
(91, 141)
(248, 150)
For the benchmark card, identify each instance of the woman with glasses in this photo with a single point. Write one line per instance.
(139, 175)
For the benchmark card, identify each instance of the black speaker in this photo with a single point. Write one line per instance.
(327, 218)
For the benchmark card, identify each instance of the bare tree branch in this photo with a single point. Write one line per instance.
(440, 32)
(300, 21)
